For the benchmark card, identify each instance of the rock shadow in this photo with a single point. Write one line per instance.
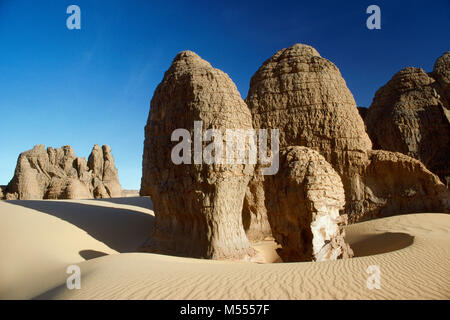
(123, 230)
(144, 202)
(91, 254)
(381, 243)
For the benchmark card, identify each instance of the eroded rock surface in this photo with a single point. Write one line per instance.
(198, 206)
(305, 97)
(410, 114)
(303, 203)
(327, 166)
(59, 174)
(441, 72)
(395, 183)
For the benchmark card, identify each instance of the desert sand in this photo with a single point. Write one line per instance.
(40, 239)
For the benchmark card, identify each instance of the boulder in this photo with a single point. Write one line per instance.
(198, 206)
(303, 203)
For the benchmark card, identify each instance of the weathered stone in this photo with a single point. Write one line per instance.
(254, 212)
(305, 97)
(30, 179)
(303, 203)
(95, 161)
(441, 72)
(110, 176)
(59, 174)
(395, 183)
(410, 114)
(198, 207)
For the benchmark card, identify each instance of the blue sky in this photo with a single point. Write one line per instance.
(94, 85)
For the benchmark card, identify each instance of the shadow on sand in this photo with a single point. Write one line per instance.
(143, 202)
(91, 254)
(123, 230)
(381, 243)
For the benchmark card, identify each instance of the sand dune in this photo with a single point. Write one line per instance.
(39, 239)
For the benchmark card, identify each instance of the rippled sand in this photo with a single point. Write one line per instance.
(40, 239)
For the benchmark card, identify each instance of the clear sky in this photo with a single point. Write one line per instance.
(94, 85)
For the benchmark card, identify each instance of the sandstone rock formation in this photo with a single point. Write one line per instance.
(441, 72)
(303, 203)
(395, 183)
(306, 98)
(411, 115)
(327, 165)
(198, 206)
(60, 174)
(105, 175)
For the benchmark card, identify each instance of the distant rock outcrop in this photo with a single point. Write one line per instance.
(305, 97)
(105, 175)
(303, 203)
(130, 193)
(411, 115)
(198, 206)
(60, 174)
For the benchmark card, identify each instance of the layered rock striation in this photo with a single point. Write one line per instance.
(305, 97)
(198, 205)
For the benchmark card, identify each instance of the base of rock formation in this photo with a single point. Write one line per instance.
(396, 184)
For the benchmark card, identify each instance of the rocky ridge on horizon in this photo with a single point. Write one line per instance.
(59, 174)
